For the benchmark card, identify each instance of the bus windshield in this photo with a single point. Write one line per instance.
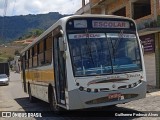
(104, 53)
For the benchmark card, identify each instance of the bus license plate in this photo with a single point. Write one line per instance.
(114, 96)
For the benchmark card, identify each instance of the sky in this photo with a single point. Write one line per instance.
(25, 7)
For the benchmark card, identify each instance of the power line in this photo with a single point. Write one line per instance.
(13, 7)
(3, 19)
(5, 7)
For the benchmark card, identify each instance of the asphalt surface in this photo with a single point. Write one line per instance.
(12, 98)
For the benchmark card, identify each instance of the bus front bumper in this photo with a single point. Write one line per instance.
(83, 99)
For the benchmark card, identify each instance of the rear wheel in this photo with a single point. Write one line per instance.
(112, 106)
(52, 101)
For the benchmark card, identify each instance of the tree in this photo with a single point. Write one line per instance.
(37, 32)
(16, 53)
(10, 58)
(32, 33)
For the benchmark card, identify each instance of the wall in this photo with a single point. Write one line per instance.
(157, 55)
(114, 5)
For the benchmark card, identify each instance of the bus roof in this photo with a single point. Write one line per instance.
(63, 21)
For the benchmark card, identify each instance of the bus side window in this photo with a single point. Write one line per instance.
(41, 53)
(26, 60)
(30, 58)
(35, 56)
(48, 50)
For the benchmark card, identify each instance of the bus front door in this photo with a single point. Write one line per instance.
(59, 70)
(24, 75)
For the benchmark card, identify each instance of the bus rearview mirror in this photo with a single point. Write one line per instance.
(62, 45)
(143, 49)
(61, 31)
(142, 46)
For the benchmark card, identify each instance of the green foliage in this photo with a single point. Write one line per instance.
(10, 58)
(17, 26)
(146, 25)
(158, 20)
(153, 23)
(3, 59)
(11, 66)
(37, 32)
(32, 33)
(16, 52)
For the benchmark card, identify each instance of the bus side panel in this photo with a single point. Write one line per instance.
(24, 83)
(39, 81)
(40, 91)
(28, 79)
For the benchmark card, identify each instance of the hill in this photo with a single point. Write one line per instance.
(14, 27)
(8, 50)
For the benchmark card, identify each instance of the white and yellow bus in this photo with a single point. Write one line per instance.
(85, 61)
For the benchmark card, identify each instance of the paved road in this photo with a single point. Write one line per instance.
(12, 98)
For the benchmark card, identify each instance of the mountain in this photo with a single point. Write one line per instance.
(14, 27)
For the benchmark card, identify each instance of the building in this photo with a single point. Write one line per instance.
(146, 13)
(16, 64)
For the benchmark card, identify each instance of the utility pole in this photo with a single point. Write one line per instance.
(3, 19)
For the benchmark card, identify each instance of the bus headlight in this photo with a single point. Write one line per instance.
(77, 84)
(95, 90)
(135, 84)
(139, 81)
(88, 90)
(129, 86)
(81, 88)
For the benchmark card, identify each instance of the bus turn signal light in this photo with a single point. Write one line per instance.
(81, 88)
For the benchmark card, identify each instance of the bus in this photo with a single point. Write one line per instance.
(85, 61)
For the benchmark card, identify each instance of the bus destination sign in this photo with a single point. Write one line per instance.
(90, 35)
(110, 24)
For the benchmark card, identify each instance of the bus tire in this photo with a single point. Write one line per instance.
(52, 101)
(31, 98)
(112, 106)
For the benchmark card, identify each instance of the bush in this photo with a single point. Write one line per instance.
(10, 58)
(16, 52)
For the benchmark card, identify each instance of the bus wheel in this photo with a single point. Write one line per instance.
(52, 101)
(31, 98)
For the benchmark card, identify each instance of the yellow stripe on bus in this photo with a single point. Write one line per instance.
(40, 75)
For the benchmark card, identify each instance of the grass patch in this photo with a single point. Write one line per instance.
(3, 59)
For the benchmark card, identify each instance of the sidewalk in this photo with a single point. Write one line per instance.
(153, 94)
(151, 88)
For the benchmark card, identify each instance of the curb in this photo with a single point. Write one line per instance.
(153, 94)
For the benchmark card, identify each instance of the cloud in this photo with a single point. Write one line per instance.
(24, 7)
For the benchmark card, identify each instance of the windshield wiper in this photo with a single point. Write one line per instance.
(109, 53)
(89, 49)
(116, 44)
(118, 41)
(113, 49)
